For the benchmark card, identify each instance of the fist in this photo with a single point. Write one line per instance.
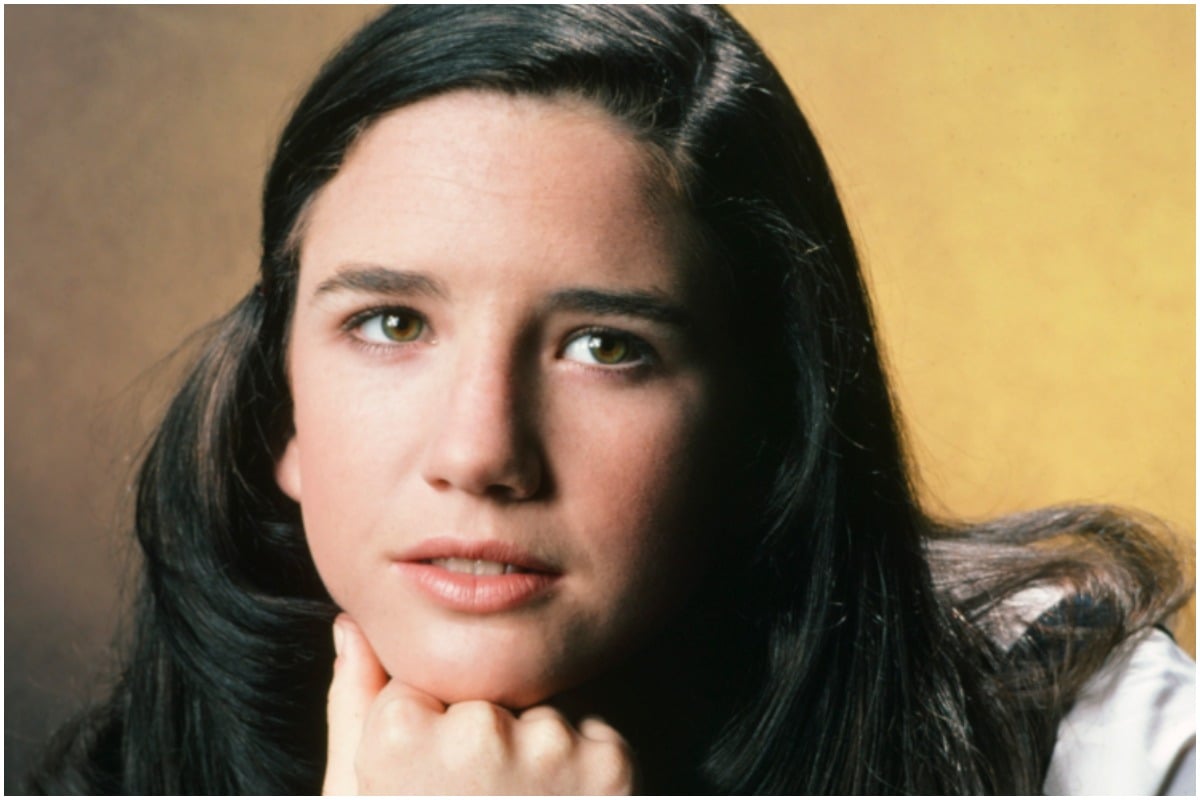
(388, 738)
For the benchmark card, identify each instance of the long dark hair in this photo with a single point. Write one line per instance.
(871, 649)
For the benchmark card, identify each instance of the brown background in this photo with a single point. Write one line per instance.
(1021, 181)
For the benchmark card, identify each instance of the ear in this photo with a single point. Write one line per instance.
(287, 469)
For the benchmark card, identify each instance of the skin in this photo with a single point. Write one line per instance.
(447, 382)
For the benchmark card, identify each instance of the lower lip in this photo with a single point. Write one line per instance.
(476, 594)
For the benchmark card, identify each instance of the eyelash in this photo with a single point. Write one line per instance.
(355, 324)
(643, 355)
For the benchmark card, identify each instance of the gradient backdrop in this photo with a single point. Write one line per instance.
(1021, 181)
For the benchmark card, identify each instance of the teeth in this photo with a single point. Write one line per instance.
(469, 566)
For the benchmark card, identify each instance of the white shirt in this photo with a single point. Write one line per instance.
(1132, 729)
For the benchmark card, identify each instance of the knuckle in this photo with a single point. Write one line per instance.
(611, 767)
(551, 738)
(476, 731)
(393, 722)
(478, 714)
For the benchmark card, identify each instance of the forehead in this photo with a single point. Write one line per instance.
(487, 174)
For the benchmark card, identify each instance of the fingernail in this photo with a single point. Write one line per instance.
(339, 636)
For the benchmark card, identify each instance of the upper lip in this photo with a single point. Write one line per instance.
(487, 550)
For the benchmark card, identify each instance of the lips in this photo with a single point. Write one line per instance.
(476, 577)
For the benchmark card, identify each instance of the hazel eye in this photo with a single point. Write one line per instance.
(606, 348)
(392, 326)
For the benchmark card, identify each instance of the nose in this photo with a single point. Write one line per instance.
(485, 442)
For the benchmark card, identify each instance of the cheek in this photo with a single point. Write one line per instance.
(638, 478)
(356, 428)
(349, 449)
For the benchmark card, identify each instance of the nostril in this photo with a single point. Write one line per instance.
(501, 492)
(440, 484)
(520, 484)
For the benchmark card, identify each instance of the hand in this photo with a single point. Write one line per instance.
(389, 738)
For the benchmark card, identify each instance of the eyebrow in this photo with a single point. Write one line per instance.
(380, 280)
(375, 279)
(646, 305)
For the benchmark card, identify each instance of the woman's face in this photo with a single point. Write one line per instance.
(505, 380)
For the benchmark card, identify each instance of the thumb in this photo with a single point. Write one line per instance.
(357, 678)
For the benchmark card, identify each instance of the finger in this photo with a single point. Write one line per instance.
(400, 716)
(596, 729)
(358, 678)
(397, 692)
(544, 733)
(481, 716)
(610, 758)
(536, 713)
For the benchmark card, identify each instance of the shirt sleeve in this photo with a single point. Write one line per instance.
(1132, 729)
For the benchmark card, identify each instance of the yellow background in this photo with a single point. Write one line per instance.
(1021, 181)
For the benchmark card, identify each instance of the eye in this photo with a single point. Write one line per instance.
(606, 348)
(393, 325)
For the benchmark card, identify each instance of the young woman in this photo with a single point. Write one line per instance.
(559, 398)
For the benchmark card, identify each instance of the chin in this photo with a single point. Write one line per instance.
(512, 686)
(514, 698)
(513, 694)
